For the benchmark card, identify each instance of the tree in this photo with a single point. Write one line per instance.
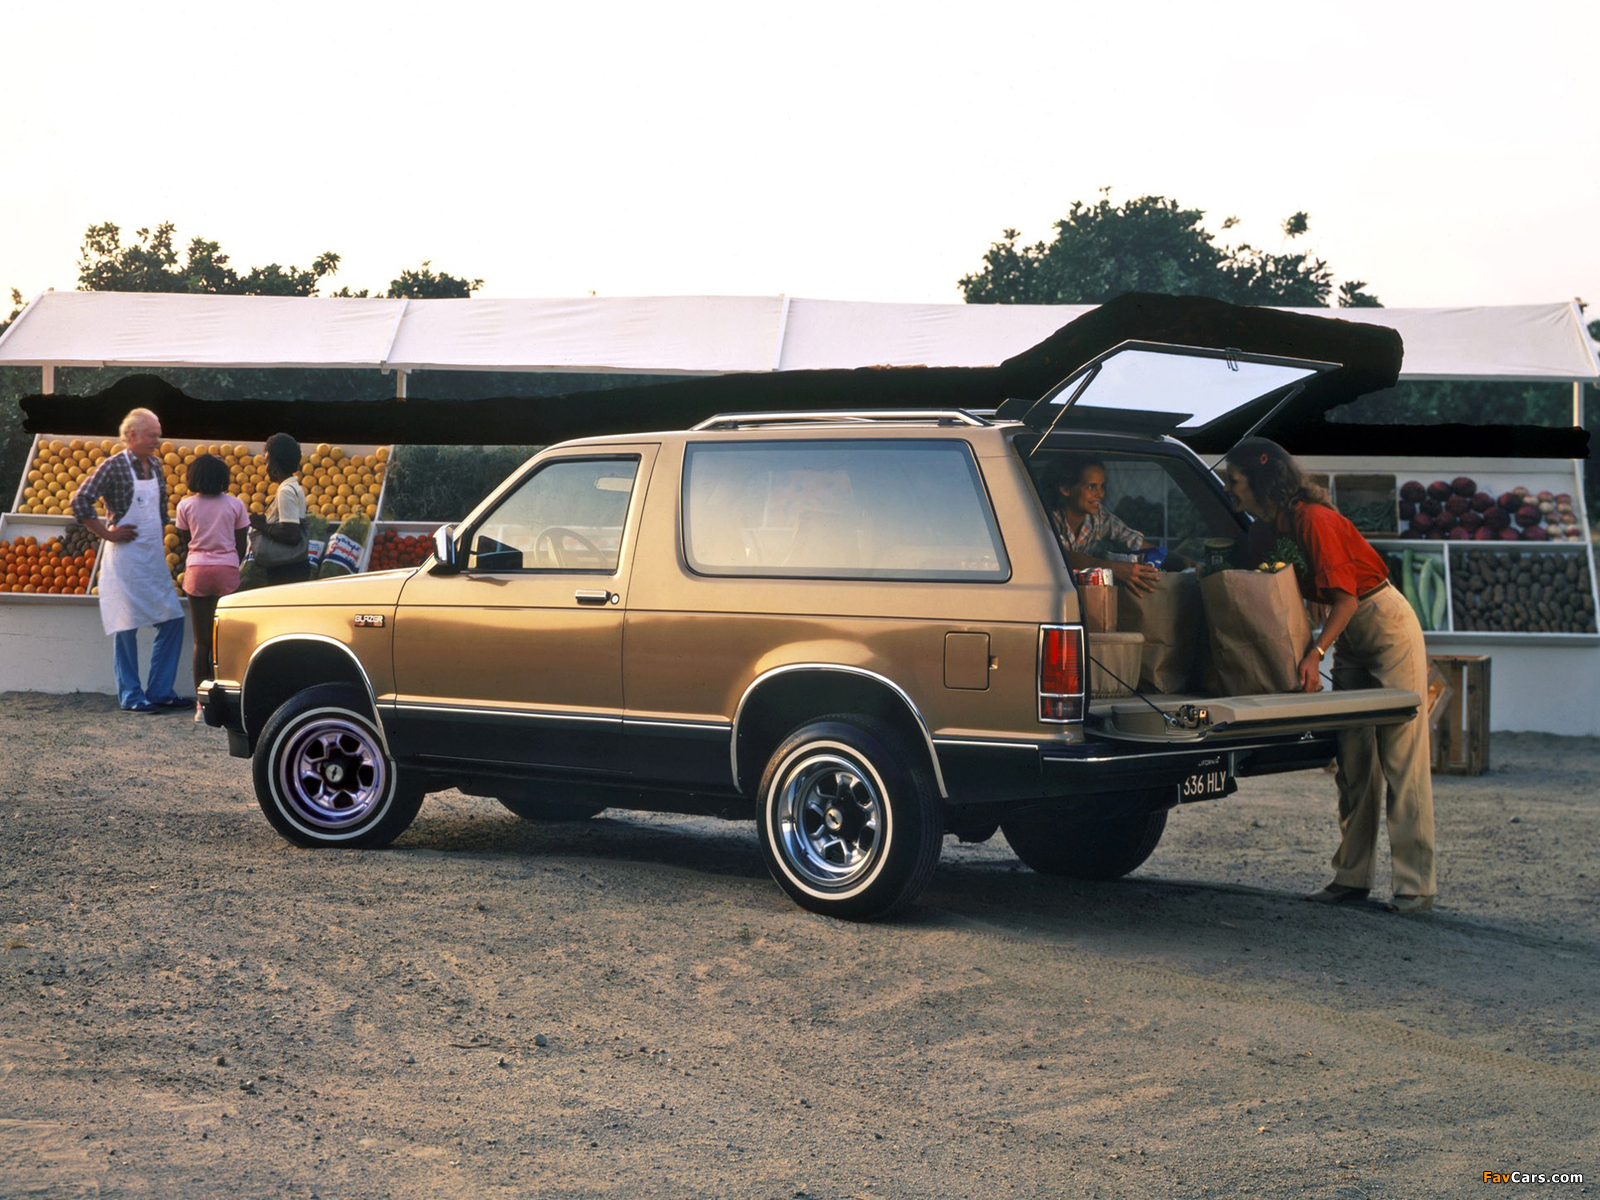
(152, 262)
(1152, 244)
(423, 283)
(151, 265)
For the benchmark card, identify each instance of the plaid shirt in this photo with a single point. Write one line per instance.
(1101, 533)
(112, 482)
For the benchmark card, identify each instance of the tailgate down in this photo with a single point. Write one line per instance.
(1217, 719)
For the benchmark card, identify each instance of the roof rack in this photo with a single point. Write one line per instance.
(944, 416)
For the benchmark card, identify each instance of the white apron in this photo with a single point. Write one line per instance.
(136, 587)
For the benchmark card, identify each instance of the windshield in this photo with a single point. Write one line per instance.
(1203, 384)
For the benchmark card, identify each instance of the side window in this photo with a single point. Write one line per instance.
(1168, 501)
(566, 516)
(839, 509)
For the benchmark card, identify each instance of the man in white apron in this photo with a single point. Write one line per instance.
(136, 587)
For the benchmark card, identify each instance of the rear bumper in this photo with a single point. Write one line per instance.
(997, 773)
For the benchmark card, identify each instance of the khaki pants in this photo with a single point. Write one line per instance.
(1385, 769)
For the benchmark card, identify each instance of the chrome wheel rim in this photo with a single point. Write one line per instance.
(332, 773)
(829, 820)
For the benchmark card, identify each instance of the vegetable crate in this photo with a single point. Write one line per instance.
(1461, 734)
(1369, 501)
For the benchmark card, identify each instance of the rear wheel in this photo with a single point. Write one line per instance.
(1054, 841)
(851, 824)
(323, 776)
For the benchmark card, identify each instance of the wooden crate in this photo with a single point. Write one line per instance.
(1461, 723)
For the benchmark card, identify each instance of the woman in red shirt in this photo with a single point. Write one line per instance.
(1379, 642)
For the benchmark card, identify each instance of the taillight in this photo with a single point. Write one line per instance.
(1061, 673)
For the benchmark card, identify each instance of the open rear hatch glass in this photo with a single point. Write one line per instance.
(1207, 372)
(1170, 388)
(1222, 719)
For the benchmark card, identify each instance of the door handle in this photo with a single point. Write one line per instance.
(585, 596)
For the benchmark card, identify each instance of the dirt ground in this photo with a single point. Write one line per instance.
(630, 1007)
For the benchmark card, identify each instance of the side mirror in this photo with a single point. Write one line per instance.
(444, 550)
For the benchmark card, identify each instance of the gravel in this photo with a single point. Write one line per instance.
(630, 1007)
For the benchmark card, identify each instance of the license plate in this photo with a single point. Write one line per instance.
(1212, 779)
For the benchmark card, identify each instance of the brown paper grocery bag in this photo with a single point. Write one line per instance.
(1097, 602)
(1259, 631)
(1172, 620)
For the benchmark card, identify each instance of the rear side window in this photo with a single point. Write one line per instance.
(1159, 499)
(839, 509)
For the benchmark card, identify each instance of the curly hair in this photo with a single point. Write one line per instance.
(1063, 471)
(283, 452)
(133, 417)
(208, 475)
(1273, 474)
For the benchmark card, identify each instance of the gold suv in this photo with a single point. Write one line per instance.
(858, 629)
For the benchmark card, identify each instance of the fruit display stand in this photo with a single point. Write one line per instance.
(53, 642)
(1512, 581)
(50, 642)
(398, 544)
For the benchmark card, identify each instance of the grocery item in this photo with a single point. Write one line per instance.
(338, 484)
(31, 567)
(316, 539)
(344, 548)
(1459, 511)
(1258, 631)
(1521, 591)
(391, 549)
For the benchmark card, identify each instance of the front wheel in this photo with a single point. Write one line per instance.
(1054, 841)
(851, 823)
(323, 776)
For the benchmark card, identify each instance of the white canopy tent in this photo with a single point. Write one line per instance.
(687, 335)
(706, 336)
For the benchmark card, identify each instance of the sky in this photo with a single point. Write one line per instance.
(852, 151)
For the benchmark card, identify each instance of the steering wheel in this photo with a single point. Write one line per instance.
(549, 545)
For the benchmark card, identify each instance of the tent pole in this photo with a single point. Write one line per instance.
(47, 380)
(399, 385)
(783, 332)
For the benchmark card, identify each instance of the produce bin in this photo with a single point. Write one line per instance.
(42, 527)
(1371, 501)
(338, 480)
(1515, 555)
(415, 540)
(1488, 549)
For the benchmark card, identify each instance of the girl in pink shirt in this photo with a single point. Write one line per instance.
(211, 535)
